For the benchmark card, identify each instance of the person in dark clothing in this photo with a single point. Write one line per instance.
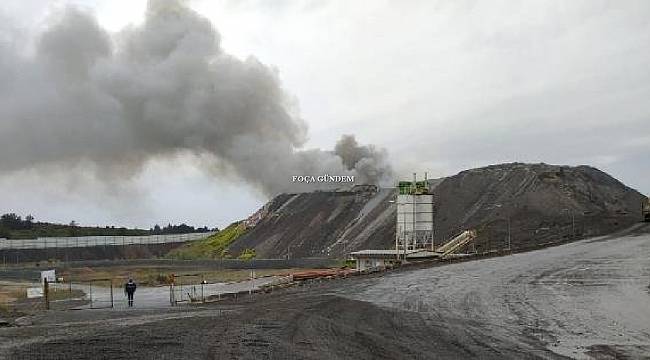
(129, 290)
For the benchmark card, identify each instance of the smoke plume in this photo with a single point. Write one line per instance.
(155, 90)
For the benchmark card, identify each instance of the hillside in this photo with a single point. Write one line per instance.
(308, 224)
(212, 247)
(541, 202)
(13, 226)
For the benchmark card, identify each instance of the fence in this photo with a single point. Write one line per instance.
(88, 241)
(311, 263)
(191, 288)
(187, 288)
(100, 298)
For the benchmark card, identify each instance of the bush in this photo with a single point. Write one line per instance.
(247, 254)
(215, 246)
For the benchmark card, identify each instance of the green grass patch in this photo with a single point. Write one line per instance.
(212, 247)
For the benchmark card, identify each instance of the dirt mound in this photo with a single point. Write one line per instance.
(539, 203)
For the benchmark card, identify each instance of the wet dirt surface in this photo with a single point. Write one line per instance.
(159, 297)
(587, 299)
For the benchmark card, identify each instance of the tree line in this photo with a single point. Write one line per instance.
(14, 226)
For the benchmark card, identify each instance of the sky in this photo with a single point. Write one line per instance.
(443, 86)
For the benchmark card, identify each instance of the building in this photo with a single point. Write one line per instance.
(414, 240)
(381, 259)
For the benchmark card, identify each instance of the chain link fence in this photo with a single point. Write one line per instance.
(193, 288)
(88, 241)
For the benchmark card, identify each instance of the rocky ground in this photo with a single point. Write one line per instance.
(588, 299)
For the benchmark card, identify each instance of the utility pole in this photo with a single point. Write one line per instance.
(397, 235)
(573, 222)
(431, 231)
(509, 238)
(414, 234)
(396, 202)
(573, 225)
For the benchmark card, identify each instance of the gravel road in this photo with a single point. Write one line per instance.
(588, 299)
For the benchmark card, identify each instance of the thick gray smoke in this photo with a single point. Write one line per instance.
(165, 87)
(368, 161)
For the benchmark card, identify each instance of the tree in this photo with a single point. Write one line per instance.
(11, 221)
(29, 221)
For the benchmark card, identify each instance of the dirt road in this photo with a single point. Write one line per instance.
(586, 299)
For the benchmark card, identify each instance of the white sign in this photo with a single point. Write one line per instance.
(50, 275)
(34, 292)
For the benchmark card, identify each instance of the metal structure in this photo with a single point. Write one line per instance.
(381, 259)
(186, 288)
(415, 217)
(457, 243)
(101, 298)
(194, 288)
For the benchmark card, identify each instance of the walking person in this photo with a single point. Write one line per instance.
(129, 290)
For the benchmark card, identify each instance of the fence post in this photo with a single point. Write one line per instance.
(250, 290)
(112, 293)
(172, 299)
(46, 294)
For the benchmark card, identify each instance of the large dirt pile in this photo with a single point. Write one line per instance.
(539, 203)
(310, 224)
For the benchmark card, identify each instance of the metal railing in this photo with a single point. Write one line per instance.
(88, 241)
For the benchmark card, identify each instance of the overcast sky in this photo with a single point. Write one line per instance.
(442, 85)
